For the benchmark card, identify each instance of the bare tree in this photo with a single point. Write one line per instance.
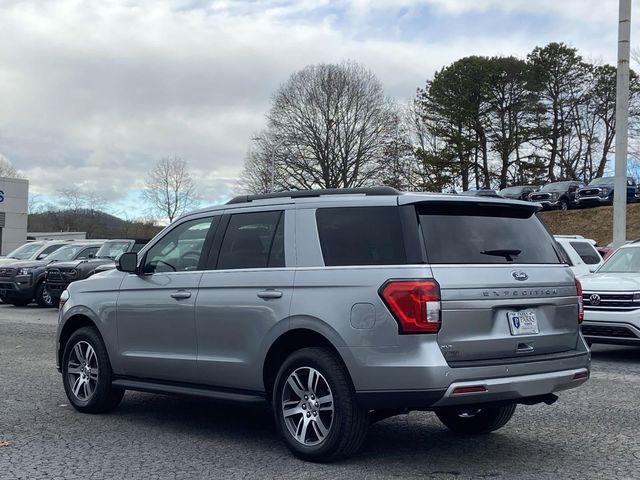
(7, 169)
(170, 189)
(71, 199)
(329, 127)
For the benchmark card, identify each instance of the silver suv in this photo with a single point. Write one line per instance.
(340, 307)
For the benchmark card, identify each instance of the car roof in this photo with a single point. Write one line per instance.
(357, 196)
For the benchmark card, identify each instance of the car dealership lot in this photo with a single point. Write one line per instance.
(591, 432)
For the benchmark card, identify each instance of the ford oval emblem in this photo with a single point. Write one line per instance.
(519, 275)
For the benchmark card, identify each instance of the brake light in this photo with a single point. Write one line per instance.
(580, 301)
(415, 304)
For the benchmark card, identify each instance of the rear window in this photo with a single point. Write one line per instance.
(361, 236)
(492, 234)
(588, 254)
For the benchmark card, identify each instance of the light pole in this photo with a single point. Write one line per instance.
(622, 124)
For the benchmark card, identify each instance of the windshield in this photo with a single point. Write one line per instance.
(603, 181)
(26, 251)
(112, 249)
(66, 253)
(625, 260)
(556, 187)
(511, 191)
(471, 234)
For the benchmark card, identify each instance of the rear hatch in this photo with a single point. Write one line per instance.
(505, 293)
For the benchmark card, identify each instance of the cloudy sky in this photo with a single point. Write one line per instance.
(93, 93)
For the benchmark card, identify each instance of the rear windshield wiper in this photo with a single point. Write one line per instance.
(509, 254)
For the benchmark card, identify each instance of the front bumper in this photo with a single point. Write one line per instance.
(613, 327)
(55, 289)
(593, 200)
(20, 286)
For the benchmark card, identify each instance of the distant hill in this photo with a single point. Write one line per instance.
(595, 223)
(97, 224)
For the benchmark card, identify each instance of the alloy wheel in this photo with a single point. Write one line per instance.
(46, 296)
(82, 370)
(307, 406)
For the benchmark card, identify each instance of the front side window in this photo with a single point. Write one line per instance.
(180, 249)
(88, 253)
(361, 236)
(588, 254)
(253, 240)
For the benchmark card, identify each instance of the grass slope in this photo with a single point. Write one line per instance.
(595, 223)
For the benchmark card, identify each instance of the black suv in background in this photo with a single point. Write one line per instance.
(518, 192)
(561, 195)
(23, 281)
(60, 275)
(600, 192)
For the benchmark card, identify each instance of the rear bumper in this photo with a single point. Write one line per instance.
(514, 388)
(416, 375)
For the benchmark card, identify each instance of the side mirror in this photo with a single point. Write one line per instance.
(127, 262)
(91, 255)
(592, 269)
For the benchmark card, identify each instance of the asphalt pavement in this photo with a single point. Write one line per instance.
(591, 433)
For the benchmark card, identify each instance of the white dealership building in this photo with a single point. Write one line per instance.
(14, 195)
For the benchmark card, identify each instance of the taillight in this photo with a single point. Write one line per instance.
(580, 302)
(415, 304)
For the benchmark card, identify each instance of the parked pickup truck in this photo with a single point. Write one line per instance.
(22, 282)
(561, 195)
(60, 275)
(600, 192)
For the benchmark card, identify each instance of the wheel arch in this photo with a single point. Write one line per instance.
(73, 323)
(285, 345)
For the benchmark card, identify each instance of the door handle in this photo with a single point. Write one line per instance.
(267, 294)
(181, 294)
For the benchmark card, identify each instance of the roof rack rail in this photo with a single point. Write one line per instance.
(316, 193)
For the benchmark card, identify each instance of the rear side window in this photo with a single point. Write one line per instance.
(253, 240)
(588, 254)
(361, 236)
(477, 234)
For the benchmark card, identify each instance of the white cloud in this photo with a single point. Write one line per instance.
(94, 92)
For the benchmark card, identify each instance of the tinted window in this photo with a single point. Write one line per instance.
(466, 234)
(588, 254)
(180, 249)
(361, 236)
(250, 239)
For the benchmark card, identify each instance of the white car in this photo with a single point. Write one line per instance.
(33, 251)
(581, 253)
(611, 299)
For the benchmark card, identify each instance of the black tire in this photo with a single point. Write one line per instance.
(476, 421)
(104, 397)
(349, 421)
(43, 298)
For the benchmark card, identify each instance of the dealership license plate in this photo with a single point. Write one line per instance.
(523, 323)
